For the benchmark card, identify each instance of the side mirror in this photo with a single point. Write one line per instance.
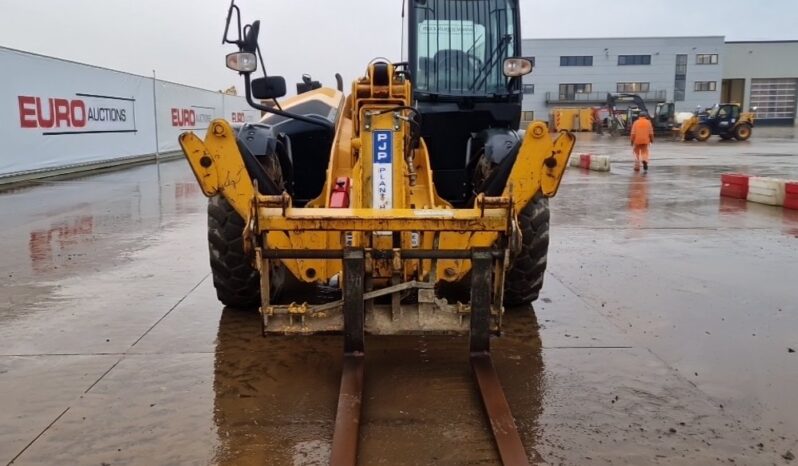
(270, 87)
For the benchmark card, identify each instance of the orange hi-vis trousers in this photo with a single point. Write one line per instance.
(641, 153)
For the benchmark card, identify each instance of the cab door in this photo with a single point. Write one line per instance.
(665, 114)
(724, 119)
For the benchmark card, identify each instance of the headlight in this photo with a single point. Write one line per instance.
(514, 67)
(243, 62)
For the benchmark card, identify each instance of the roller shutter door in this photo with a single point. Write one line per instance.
(774, 98)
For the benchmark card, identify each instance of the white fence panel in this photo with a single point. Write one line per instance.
(237, 110)
(183, 108)
(58, 114)
(55, 113)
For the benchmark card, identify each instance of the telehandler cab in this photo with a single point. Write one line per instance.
(413, 198)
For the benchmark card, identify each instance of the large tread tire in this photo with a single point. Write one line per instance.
(742, 132)
(524, 280)
(702, 132)
(237, 283)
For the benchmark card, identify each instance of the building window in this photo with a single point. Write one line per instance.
(634, 59)
(703, 86)
(633, 87)
(527, 116)
(680, 78)
(570, 91)
(706, 59)
(529, 88)
(576, 61)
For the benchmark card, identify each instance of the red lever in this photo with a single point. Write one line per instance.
(339, 198)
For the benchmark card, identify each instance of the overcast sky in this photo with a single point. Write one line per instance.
(180, 39)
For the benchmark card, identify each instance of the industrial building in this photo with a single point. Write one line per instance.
(692, 72)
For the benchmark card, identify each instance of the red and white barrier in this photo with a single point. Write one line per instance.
(762, 190)
(584, 160)
(599, 163)
(791, 195)
(768, 191)
(734, 185)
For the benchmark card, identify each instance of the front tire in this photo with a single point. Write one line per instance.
(237, 283)
(524, 280)
(742, 132)
(702, 133)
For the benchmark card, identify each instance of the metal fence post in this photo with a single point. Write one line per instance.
(155, 117)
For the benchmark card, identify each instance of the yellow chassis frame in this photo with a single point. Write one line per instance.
(418, 217)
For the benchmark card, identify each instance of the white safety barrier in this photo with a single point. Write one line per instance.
(768, 191)
(600, 163)
(58, 114)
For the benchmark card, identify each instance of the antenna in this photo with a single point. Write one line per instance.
(402, 45)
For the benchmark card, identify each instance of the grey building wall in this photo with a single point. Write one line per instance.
(606, 72)
(760, 60)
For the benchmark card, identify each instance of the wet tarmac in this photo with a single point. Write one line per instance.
(664, 332)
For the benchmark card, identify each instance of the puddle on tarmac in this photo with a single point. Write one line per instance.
(275, 397)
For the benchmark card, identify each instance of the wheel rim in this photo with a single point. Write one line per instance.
(703, 133)
(744, 132)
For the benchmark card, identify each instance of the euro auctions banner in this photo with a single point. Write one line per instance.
(185, 108)
(79, 114)
(237, 111)
(55, 113)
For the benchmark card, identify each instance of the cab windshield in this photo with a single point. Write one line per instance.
(460, 45)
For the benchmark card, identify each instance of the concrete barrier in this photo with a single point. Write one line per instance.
(760, 189)
(791, 195)
(734, 185)
(599, 163)
(768, 191)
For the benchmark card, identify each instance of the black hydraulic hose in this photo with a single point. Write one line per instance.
(401, 107)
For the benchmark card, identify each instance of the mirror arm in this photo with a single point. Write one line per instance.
(225, 40)
(263, 108)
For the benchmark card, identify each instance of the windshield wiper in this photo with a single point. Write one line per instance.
(500, 49)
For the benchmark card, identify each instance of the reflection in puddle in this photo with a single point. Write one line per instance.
(638, 200)
(732, 206)
(275, 397)
(790, 219)
(186, 194)
(55, 242)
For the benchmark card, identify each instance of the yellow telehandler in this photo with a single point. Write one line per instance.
(414, 201)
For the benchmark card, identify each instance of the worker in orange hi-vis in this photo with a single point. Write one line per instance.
(642, 136)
